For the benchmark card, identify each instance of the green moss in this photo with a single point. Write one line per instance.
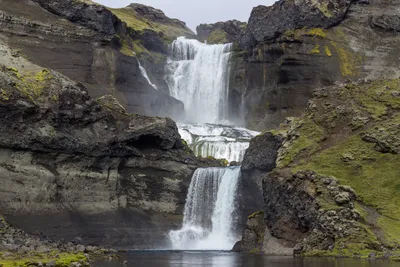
(363, 173)
(357, 245)
(126, 48)
(306, 141)
(14, 72)
(217, 36)
(5, 95)
(391, 229)
(168, 31)
(255, 250)
(349, 61)
(316, 50)
(34, 85)
(317, 32)
(253, 215)
(61, 260)
(323, 7)
(224, 162)
(374, 98)
(328, 51)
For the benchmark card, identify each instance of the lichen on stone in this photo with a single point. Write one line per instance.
(316, 50)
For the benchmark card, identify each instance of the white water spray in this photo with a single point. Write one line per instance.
(212, 191)
(198, 75)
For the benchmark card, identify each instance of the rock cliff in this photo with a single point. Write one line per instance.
(72, 166)
(221, 32)
(97, 47)
(334, 189)
(293, 47)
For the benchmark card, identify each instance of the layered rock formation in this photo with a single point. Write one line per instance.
(72, 166)
(334, 189)
(96, 46)
(293, 47)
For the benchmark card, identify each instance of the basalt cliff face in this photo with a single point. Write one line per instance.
(293, 47)
(332, 189)
(72, 166)
(98, 47)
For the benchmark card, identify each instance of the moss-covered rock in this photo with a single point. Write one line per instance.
(335, 191)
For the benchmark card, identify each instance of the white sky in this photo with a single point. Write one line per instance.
(199, 11)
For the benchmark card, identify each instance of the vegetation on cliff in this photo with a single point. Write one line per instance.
(351, 133)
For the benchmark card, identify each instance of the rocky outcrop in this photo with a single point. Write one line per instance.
(318, 200)
(260, 158)
(221, 32)
(293, 47)
(267, 23)
(92, 45)
(73, 167)
(253, 234)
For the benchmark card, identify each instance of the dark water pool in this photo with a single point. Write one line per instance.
(227, 259)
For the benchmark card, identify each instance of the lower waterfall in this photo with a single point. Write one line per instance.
(209, 211)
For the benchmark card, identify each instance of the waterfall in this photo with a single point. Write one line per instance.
(212, 192)
(219, 141)
(144, 73)
(198, 75)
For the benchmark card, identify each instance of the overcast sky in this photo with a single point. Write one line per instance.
(195, 12)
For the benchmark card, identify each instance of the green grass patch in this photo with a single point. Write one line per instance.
(61, 260)
(169, 31)
(304, 143)
(217, 36)
(373, 175)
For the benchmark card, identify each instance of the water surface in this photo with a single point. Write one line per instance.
(228, 259)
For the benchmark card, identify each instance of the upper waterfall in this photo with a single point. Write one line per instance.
(198, 75)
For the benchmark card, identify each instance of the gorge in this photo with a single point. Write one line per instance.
(121, 129)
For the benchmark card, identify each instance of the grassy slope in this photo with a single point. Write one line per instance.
(170, 31)
(328, 140)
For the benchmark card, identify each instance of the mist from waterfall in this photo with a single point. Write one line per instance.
(212, 192)
(198, 75)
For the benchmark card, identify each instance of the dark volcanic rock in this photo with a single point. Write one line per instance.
(262, 152)
(89, 44)
(253, 234)
(232, 31)
(269, 22)
(390, 20)
(283, 57)
(75, 167)
(95, 17)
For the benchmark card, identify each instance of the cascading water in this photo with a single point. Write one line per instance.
(212, 191)
(144, 74)
(198, 75)
(219, 141)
